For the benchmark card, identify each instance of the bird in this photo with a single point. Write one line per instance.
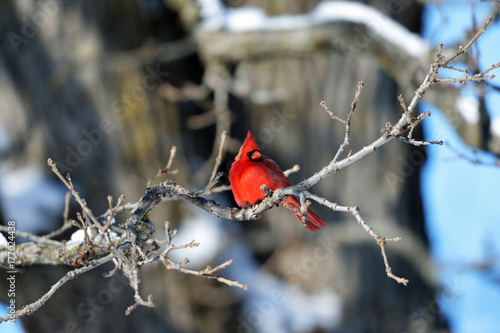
(250, 170)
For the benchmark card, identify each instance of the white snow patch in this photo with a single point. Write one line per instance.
(380, 24)
(212, 14)
(31, 198)
(3, 241)
(77, 236)
(495, 126)
(246, 19)
(468, 107)
(216, 16)
(204, 230)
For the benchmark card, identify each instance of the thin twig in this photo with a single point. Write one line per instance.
(218, 189)
(323, 104)
(166, 169)
(347, 122)
(112, 209)
(381, 241)
(27, 235)
(472, 160)
(30, 308)
(214, 178)
(135, 282)
(203, 273)
(462, 50)
(122, 207)
(293, 169)
(75, 194)
(67, 224)
(67, 197)
(218, 159)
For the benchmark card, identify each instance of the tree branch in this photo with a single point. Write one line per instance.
(32, 307)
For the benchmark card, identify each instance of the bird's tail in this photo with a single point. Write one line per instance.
(314, 222)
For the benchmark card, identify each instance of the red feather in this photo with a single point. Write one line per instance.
(251, 170)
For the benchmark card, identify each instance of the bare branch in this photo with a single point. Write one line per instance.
(122, 207)
(462, 50)
(218, 189)
(166, 169)
(214, 178)
(293, 169)
(27, 235)
(75, 194)
(67, 224)
(472, 78)
(112, 211)
(354, 211)
(208, 272)
(381, 242)
(473, 160)
(218, 159)
(347, 122)
(332, 115)
(139, 301)
(30, 308)
(135, 282)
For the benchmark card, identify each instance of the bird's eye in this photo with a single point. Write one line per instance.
(254, 155)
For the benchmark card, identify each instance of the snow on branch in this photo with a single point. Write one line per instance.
(130, 245)
(332, 25)
(254, 19)
(350, 29)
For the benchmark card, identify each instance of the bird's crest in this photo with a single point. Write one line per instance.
(249, 149)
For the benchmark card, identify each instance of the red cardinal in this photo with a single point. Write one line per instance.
(251, 170)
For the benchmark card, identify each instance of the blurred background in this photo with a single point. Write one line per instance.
(106, 88)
